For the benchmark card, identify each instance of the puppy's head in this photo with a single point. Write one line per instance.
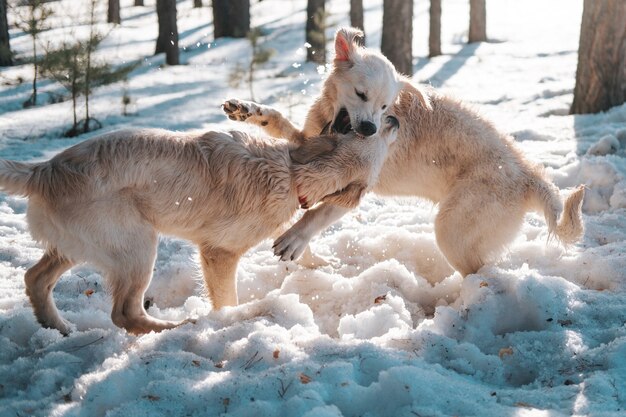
(365, 83)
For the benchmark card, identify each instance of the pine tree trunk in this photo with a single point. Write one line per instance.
(434, 37)
(168, 31)
(113, 15)
(231, 18)
(356, 14)
(315, 31)
(139, 3)
(197, 3)
(601, 71)
(5, 47)
(478, 21)
(397, 37)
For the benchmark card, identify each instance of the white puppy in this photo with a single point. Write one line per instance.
(445, 152)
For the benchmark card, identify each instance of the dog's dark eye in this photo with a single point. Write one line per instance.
(361, 95)
(384, 107)
(393, 121)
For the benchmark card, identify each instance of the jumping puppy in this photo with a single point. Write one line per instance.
(105, 200)
(445, 152)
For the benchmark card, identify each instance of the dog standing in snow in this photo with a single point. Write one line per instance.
(105, 200)
(445, 152)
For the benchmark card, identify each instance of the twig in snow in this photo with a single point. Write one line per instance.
(283, 388)
(252, 361)
(74, 349)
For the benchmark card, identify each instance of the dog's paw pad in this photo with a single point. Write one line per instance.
(241, 110)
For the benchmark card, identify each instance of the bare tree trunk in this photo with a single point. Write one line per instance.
(316, 31)
(5, 47)
(601, 71)
(197, 3)
(113, 15)
(397, 38)
(168, 31)
(356, 14)
(35, 70)
(478, 21)
(434, 37)
(231, 18)
(139, 3)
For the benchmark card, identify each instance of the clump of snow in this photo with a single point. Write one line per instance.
(606, 145)
(387, 328)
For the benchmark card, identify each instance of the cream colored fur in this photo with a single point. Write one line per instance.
(105, 201)
(445, 152)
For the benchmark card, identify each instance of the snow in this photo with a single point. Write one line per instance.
(387, 328)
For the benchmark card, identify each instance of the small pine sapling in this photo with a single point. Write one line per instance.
(32, 21)
(74, 68)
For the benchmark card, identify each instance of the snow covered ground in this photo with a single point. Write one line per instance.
(387, 329)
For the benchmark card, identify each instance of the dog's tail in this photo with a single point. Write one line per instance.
(15, 177)
(564, 219)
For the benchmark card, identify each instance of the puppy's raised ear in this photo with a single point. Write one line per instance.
(347, 42)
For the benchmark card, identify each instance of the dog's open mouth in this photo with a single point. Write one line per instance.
(342, 122)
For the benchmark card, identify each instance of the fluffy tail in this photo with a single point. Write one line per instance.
(564, 220)
(15, 176)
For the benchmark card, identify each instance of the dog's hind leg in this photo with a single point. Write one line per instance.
(129, 271)
(473, 225)
(219, 267)
(40, 280)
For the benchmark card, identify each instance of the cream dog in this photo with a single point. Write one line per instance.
(105, 200)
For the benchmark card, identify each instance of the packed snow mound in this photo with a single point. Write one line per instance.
(387, 328)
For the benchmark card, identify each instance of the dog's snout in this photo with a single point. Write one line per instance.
(393, 122)
(366, 128)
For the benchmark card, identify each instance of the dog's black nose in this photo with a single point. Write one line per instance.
(366, 128)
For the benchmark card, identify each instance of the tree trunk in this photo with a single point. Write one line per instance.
(397, 37)
(35, 70)
(478, 21)
(434, 37)
(168, 31)
(231, 18)
(601, 71)
(139, 3)
(197, 3)
(113, 15)
(316, 31)
(5, 47)
(356, 14)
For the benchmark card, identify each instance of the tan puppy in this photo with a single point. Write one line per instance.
(105, 200)
(445, 152)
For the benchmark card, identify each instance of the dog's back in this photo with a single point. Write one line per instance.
(200, 186)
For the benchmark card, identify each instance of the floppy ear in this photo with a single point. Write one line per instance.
(312, 148)
(347, 41)
(415, 93)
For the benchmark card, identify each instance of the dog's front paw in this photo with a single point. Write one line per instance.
(240, 110)
(290, 245)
